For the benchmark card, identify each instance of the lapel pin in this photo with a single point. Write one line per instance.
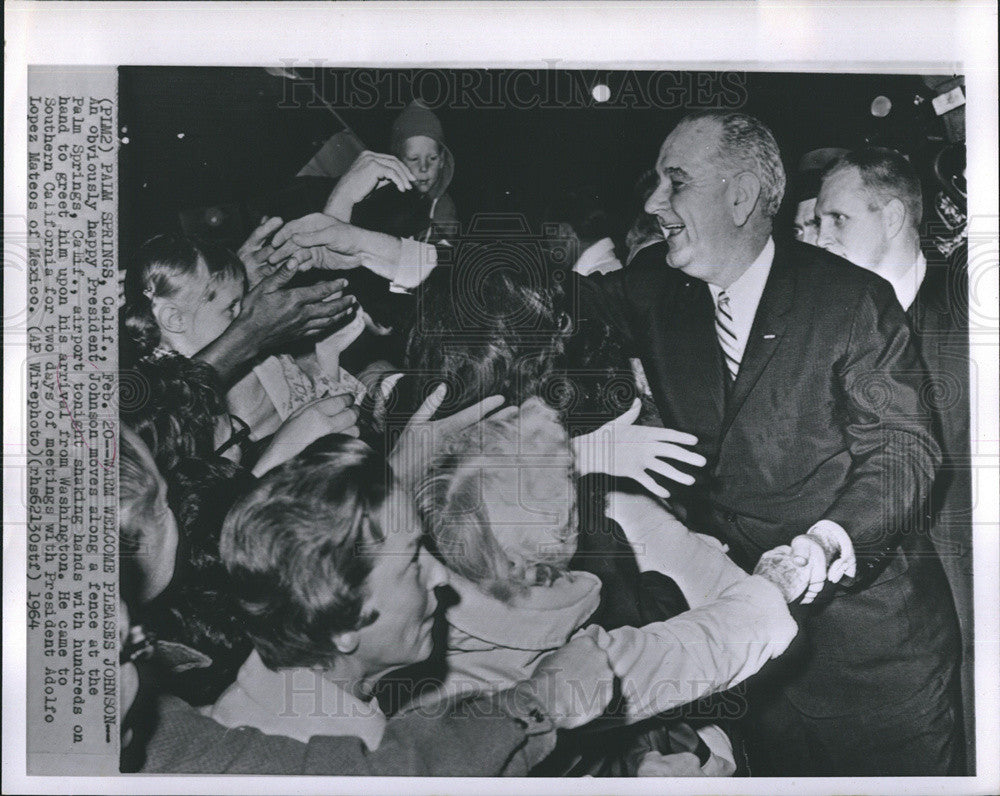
(768, 336)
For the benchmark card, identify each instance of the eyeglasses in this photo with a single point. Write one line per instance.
(240, 434)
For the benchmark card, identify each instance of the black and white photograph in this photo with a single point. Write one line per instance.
(618, 423)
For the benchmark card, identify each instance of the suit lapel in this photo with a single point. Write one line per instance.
(692, 360)
(765, 334)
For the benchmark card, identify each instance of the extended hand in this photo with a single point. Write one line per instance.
(335, 414)
(369, 171)
(272, 314)
(414, 451)
(622, 449)
(254, 252)
(827, 553)
(779, 567)
(316, 241)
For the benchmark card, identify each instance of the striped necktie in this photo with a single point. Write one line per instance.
(724, 328)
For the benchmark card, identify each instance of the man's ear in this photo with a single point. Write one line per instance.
(169, 317)
(346, 642)
(893, 218)
(744, 195)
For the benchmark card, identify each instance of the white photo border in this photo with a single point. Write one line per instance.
(897, 37)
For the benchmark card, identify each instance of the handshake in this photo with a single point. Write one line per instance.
(824, 553)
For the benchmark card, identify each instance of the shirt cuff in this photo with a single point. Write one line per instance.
(416, 261)
(833, 535)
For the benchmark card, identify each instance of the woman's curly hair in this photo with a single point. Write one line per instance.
(174, 404)
(298, 549)
(487, 327)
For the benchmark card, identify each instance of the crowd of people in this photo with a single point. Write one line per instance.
(678, 500)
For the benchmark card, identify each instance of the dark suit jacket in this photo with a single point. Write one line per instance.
(940, 319)
(825, 421)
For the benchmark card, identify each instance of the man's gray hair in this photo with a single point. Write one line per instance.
(747, 141)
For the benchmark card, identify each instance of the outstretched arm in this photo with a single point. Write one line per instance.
(321, 241)
(662, 543)
(700, 652)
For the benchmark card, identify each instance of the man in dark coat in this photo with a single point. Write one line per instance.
(797, 373)
(869, 210)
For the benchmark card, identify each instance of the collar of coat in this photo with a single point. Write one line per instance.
(543, 618)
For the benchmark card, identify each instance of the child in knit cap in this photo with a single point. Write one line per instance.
(410, 203)
(418, 140)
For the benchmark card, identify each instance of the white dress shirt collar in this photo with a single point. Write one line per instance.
(744, 294)
(908, 283)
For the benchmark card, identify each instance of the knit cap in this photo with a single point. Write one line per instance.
(416, 119)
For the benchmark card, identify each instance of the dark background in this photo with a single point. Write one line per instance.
(241, 143)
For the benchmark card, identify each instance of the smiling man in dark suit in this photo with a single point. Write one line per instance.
(796, 371)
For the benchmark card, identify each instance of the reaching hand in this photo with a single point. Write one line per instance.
(254, 251)
(574, 684)
(622, 449)
(316, 241)
(369, 171)
(779, 567)
(334, 414)
(827, 553)
(272, 314)
(414, 450)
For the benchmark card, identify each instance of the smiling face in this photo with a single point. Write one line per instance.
(422, 156)
(401, 589)
(691, 201)
(851, 223)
